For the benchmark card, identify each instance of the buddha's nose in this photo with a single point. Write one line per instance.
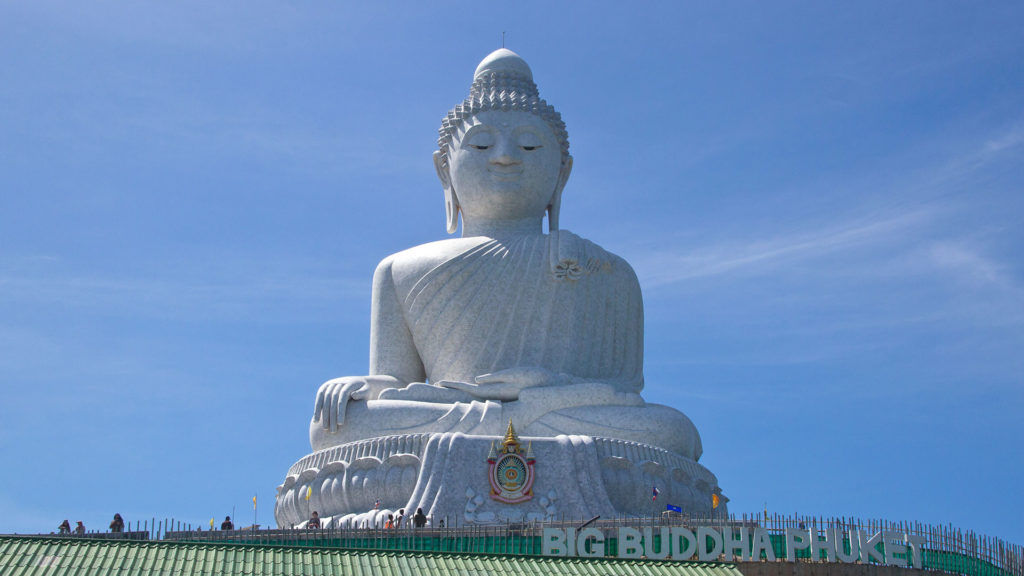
(505, 154)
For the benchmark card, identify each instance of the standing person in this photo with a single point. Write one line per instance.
(419, 520)
(390, 523)
(314, 521)
(401, 517)
(117, 524)
(226, 524)
(64, 529)
(80, 528)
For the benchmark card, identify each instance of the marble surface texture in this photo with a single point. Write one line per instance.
(504, 324)
(445, 474)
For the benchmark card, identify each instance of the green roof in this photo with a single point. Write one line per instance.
(22, 555)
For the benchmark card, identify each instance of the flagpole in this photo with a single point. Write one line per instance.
(254, 511)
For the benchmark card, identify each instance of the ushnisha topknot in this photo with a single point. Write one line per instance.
(502, 81)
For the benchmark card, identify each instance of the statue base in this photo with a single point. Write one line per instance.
(465, 479)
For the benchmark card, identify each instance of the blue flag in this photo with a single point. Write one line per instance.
(673, 508)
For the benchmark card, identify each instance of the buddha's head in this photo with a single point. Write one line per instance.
(504, 152)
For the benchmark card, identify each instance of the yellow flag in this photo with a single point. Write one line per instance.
(254, 502)
(714, 501)
(211, 523)
(309, 492)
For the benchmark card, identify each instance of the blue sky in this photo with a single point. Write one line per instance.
(822, 203)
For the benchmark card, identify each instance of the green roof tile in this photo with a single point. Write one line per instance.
(52, 556)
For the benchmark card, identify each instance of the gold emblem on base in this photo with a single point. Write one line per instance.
(510, 472)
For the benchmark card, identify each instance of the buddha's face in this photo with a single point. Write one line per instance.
(504, 165)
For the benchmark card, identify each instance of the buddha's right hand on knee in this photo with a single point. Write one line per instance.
(333, 396)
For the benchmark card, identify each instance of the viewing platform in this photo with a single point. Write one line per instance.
(650, 545)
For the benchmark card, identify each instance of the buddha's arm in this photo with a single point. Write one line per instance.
(392, 351)
(394, 362)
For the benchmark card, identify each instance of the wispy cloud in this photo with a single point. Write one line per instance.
(918, 242)
(772, 255)
(965, 262)
(1003, 145)
(990, 288)
(277, 291)
(919, 267)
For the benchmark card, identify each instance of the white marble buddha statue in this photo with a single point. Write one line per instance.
(506, 323)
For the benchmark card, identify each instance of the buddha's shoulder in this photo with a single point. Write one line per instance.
(593, 256)
(416, 261)
(408, 266)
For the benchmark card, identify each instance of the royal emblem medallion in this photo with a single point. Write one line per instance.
(510, 472)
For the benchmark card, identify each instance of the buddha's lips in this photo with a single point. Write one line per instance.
(506, 172)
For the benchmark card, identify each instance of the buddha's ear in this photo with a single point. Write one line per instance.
(451, 202)
(556, 199)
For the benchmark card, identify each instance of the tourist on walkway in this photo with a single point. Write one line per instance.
(64, 529)
(226, 524)
(314, 521)
(117, 524)
(80, 528)
(419, 520)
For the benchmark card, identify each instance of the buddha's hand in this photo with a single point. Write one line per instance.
(333, 396)
(505, 385)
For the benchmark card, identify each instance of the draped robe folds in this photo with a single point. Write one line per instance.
(556, 302)
(553, 301)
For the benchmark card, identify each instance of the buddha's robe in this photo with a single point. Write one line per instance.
(555, 302)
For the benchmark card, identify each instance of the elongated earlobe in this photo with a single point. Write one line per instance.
(451, 201)
(556, 199)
